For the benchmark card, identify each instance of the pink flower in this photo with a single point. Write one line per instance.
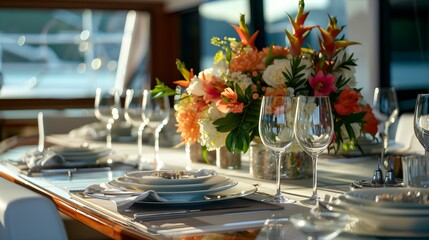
(213, 88)
(229, 102)
(322, 84)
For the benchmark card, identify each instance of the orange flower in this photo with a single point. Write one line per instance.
(276, 92)
(347, 102)
(277, 106)
(187, 125)
(322, 84)
(229, 102)
(248, 62)
(300, 32)
(243, 33)
(330, 45)
(370, 123)
(188, 75)
(276, 51)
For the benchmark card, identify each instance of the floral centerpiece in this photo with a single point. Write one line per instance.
(220, 106)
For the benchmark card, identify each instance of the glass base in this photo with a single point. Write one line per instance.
(310, 202)
(279, 199)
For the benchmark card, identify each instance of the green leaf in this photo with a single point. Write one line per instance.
(242, 127)
(161, 90)
(238, 140)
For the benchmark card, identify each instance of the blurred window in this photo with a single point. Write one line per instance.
(405, 49)
(216, 18)
(69, 53)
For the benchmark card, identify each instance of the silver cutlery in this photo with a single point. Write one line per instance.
(184, 212)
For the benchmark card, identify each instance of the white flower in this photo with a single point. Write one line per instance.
(273, 74)
(242, 79)
(196, 87)
(206, 74)
(221, 66)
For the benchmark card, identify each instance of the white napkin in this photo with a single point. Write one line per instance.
(123, 198)
(36, 160)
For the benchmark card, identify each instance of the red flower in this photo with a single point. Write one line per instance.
(229, 102)
(347, 102)
(322, 84)
(370, 123)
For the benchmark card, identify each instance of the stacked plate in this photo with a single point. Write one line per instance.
(80, 156)
(393, 209)
(178, 186)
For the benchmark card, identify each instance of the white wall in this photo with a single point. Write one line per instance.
(363, 27)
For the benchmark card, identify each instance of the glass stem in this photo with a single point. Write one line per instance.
(278, 174)
(140, 141)
(314, 195)
(188, 156)
(158, 164)
(385, 144)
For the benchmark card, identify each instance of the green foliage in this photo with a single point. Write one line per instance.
(161, 90)
(242, 127)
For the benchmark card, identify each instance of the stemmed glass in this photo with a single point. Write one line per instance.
(157, 113)
(133, 113)
(421, 121)
(314, 128)
(276, 132)
(386, 110)
(108, 109)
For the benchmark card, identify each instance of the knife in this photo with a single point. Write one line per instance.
(182, 212)
(70, 171)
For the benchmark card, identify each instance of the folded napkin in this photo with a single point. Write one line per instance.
(37, 160)
(123, 198)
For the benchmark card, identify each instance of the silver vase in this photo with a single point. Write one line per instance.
(295, 164)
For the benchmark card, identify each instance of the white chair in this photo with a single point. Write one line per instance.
(25, 214)
(405, 136)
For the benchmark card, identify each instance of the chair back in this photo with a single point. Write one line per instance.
(25, 214)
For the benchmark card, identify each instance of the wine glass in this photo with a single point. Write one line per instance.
(157, 112)
(276, 132)
(386, 110)
(133, 113)
(421, 121)
(314, 128)
(321, 225)
(107, 109)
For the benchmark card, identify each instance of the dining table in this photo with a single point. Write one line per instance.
(240, 217)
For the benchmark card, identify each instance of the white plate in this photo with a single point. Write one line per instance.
(90, 154)
(186, 195)
(239, 190)
(154, 178)
(367, 197)
(375, 209)
(135, 184)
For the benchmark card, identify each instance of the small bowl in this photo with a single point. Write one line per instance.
(278, 226)
(320, 225)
